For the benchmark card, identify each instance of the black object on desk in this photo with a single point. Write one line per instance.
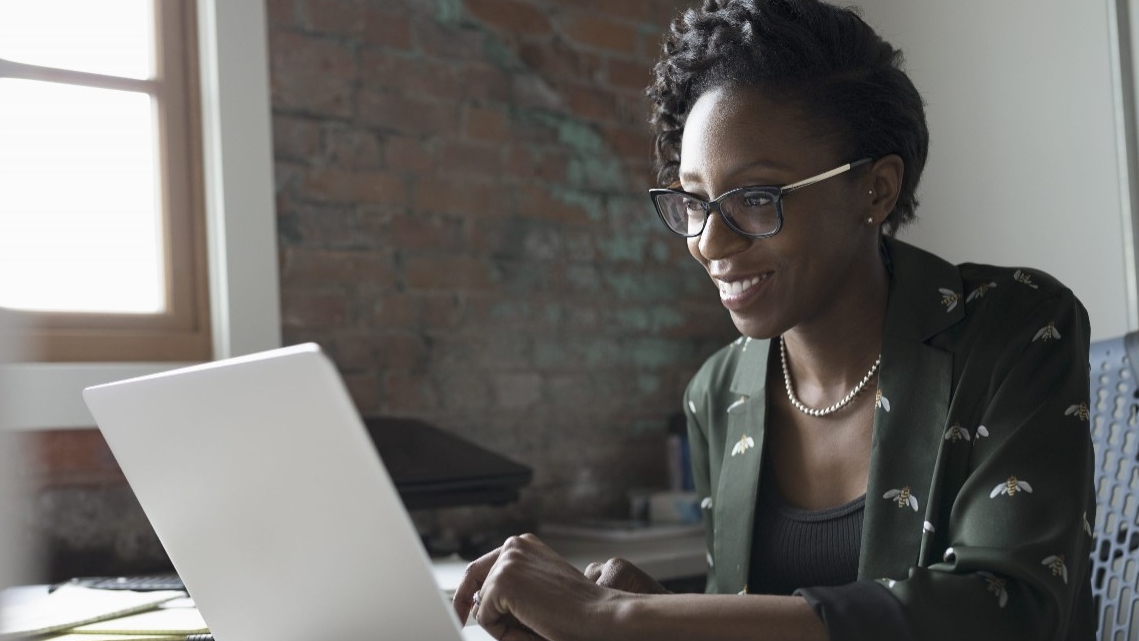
(432, 468)
(139, 583)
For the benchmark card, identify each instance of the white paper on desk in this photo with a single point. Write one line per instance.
(168, 621)
(73, 605)
(117, 637)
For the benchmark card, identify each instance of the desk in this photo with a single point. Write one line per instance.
(664, 559)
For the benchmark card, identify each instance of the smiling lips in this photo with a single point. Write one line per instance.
(735, 289)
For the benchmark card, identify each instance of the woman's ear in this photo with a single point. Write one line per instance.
(884, 184)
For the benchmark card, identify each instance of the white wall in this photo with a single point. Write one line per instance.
(1024, 166)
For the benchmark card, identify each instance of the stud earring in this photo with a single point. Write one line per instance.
(871, 192)
(869, 220)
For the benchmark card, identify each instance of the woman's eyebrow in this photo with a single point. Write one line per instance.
(693, 177)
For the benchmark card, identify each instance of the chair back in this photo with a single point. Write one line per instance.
(1115, 433)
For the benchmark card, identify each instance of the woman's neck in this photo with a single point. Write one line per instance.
(833, 351)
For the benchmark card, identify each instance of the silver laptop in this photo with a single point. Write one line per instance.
(267, 493)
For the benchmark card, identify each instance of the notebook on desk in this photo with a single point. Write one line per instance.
(266, 492)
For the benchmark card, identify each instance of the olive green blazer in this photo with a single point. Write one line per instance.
(980, 492)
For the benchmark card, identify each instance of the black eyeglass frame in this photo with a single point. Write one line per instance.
(776, 194)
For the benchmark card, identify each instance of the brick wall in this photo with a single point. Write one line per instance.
(463, 225)
(82, 518)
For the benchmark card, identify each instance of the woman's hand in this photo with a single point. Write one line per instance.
(524, 591)
(619, 574)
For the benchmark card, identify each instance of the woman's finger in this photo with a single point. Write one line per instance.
(617, 573)
(593, 571)
(473, 578)
(503, 626)
(474, 611)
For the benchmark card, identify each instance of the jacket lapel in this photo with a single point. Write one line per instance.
(915, 384)
(739, 475)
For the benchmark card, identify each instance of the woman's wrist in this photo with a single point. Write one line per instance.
(661, 617)
(626, 613)
(651, 617)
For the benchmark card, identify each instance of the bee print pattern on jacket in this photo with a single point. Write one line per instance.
(1055, 563)
(1047, 333)
(949, 298)
(996, 586)
(903, 497)
(744, 444)
(980, 292)
(1025, 278)
(1079, 410)
(881, 401)
(957, 433)
(1011, 487)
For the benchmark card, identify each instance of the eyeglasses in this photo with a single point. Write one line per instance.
(754, 212)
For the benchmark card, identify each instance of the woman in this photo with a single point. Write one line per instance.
(897, 447)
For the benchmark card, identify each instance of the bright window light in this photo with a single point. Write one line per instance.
(110, 37)
(80, 229)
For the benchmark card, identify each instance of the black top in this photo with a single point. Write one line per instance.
(794, 548)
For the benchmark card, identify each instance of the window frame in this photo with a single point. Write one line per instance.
(240, 229)
(182, 331)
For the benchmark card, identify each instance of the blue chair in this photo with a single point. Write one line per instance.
(1115, 433)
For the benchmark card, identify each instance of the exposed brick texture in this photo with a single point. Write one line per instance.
(82, 518)
(521, 291)
(463, 226)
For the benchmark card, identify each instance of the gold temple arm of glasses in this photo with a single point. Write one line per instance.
(823, 176)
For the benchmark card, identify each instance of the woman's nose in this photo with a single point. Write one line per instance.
(718, 240)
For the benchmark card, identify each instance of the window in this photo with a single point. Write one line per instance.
(102, 227)
(241, 241)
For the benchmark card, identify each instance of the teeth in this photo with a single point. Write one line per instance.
(737, 287)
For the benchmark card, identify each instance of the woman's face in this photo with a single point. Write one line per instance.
(736, 138)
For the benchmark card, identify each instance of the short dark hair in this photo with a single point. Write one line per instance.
(824, 59)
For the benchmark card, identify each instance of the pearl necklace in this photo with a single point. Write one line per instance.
(833, 408)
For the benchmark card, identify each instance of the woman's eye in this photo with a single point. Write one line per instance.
(756, 200)
(693, 206)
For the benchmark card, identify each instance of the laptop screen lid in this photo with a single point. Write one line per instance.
(265, 490)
